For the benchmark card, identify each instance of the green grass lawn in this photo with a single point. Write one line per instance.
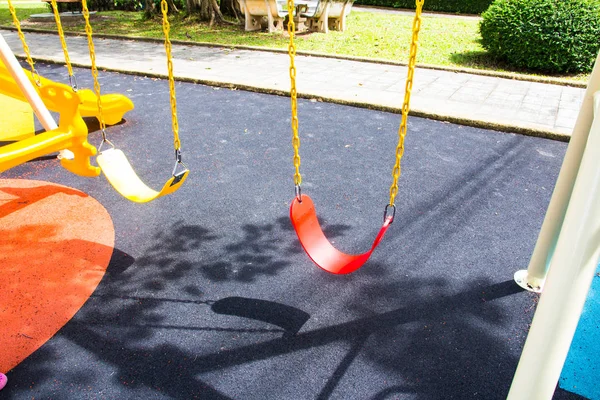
(444, 42)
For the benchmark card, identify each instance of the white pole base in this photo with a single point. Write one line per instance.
(529, 283)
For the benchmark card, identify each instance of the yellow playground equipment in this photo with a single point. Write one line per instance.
(71, 133)
(20, 119)
(115, 105)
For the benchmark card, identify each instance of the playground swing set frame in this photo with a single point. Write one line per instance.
(565, 257)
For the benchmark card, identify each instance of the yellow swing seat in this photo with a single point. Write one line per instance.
(113, 162)
(122, 177)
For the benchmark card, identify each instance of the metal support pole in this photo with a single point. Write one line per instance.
(533, 278)
(569, 279)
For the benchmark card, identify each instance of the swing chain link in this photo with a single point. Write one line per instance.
(298, 191)
(164, 7)
(166, 28)
(291, 27)
(34, 74)
(405, 106)
(61, 34)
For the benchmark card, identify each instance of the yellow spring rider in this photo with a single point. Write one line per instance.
(115, 105)
(70, 134)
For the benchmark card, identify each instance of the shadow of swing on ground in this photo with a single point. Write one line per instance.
(290, 319)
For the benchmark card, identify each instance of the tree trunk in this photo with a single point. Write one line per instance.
(149, 9)
(232, 8)
(189, 6)
(172, 7)
(207, 10)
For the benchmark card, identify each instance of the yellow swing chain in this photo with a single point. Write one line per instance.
(63, 43)
(34, 73)
(164, 7)
(405, 106)
(397, 170)
(92, 50)
(294, 97)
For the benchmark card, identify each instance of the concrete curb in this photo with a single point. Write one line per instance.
(546, 134)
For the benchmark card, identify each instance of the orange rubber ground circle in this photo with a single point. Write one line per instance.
(55, 245)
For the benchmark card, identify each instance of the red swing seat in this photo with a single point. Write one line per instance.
(319, 249)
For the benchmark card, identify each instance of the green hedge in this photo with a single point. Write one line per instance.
(560, 36)
(451, 6)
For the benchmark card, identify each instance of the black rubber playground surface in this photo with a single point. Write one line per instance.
(209, 295)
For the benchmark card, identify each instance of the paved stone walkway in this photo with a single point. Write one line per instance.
(545, 109)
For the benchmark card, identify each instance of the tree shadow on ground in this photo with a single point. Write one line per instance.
(443, 343)
(483, 60)
(150, 322)
(437, 345)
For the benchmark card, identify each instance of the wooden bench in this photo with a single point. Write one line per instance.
(318, 15)
(328, 14)
(255, 10)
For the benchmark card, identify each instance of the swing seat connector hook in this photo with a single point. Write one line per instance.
(179, 175)
(389, 213)
(105, 140)
(73, 82)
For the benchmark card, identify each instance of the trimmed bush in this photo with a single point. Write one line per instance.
(556, 36)
(451, 6)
